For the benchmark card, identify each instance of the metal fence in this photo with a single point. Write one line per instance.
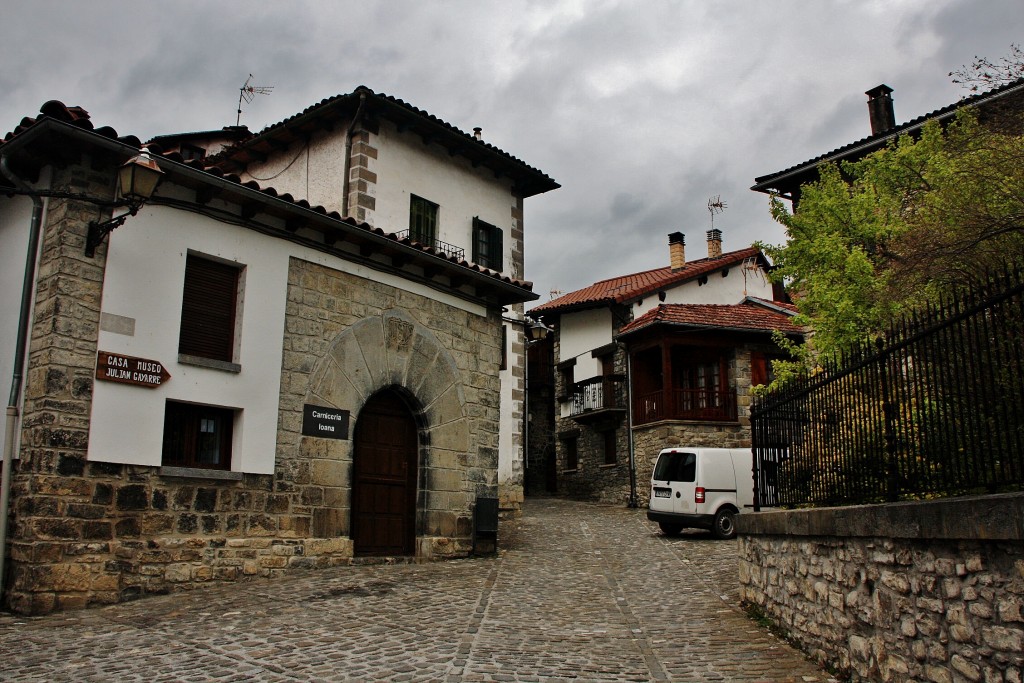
(934, 409)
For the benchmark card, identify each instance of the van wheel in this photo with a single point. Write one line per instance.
(724, 525)
(670, 529)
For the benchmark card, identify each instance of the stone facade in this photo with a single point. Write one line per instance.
(928, 591)
(89, 532)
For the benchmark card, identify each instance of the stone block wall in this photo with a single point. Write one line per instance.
(921, 591)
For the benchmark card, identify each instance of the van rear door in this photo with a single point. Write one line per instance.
(673, 482)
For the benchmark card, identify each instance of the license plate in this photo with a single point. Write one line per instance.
(662, 493)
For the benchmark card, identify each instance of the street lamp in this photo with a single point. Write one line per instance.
(137, 180)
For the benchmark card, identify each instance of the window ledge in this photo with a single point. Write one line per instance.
(569, 471)
(199, 473)
(201, 362)
(609, 466)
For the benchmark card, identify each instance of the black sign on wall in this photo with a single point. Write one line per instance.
(327, 423)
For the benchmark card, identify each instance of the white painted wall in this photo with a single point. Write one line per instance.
(404, 166)
(580, 333)
(314, 172)
(15, 215)
(144, 278)
(731, 289)
(508, 452)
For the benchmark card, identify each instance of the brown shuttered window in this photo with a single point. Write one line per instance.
(208, 309)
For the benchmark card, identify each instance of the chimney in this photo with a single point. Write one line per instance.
(478, 133)
(880, 109)
(677, 250)
(714, 243)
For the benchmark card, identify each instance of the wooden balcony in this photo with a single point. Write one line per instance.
(686, 404)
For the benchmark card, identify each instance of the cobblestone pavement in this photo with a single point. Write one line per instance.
(578, 593)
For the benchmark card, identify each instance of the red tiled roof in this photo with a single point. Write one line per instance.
(752, 315)
(79, 118)
(637, 285)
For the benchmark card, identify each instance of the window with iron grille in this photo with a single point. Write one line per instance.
(208, 309)
(197, 436)
(487, 245)
(422, 220)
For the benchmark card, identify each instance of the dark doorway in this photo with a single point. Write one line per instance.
(384, 478)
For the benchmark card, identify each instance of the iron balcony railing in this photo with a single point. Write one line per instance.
(449, 249)
(686, 404)
(598, 393)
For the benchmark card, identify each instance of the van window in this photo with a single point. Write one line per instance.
(676, 467)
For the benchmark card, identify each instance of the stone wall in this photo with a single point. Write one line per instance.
(920, 591)
(90, 532)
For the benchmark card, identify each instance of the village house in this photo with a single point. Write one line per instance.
(656, 359)
(305, 349)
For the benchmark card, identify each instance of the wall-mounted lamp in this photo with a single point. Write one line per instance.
(537, 331)
(137, 180)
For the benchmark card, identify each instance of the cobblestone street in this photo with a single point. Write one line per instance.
(579, 592)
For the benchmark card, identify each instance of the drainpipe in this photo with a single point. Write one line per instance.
(348, 155)
(633, 503)
(27, 288)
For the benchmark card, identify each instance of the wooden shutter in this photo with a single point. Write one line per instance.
(208, 309)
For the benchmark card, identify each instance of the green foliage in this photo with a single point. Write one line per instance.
(876, 237)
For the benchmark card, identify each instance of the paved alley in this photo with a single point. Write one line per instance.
(579, 593)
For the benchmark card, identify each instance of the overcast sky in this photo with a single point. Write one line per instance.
(642, 110)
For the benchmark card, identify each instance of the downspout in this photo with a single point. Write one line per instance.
(633, 503)
(27, 288)
(348, 155)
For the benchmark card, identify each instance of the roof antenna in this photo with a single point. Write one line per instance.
(716, 205)
(247, 92)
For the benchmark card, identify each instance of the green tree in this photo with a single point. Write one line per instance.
(873, 238)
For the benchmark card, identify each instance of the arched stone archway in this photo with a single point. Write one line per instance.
(392, 351)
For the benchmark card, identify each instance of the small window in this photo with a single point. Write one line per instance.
(190, 152)
(208, 309)
(197, 436)
(487, 245)
(423, 221)
(609, 448)
(572, 455)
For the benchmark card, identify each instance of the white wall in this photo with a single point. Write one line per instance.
(405, 166)
(739, 283)
(143, 282)
(15, 215)
(314, 172)
(579, 334)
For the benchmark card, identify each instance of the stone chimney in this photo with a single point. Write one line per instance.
(677, 250)
(714, 243)
(880, 109)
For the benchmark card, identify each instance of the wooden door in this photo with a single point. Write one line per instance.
(384, 478)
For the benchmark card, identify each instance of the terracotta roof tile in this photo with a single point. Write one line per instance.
(637, 285)
(750, 315)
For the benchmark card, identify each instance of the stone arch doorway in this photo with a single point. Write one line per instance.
(384, 476)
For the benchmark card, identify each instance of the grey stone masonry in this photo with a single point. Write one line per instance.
(919, 591)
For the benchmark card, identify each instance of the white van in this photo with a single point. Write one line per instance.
(701, 487)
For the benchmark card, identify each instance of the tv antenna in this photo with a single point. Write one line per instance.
(248, 92)
(716, 205)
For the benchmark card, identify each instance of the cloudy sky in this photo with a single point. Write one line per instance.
(642, 110)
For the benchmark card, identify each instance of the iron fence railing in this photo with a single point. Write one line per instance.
(686, 404)
(449, 249)
(934, 409)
